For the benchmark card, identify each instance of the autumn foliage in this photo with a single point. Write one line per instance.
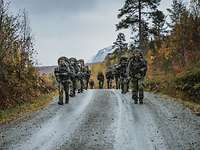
(19, 79)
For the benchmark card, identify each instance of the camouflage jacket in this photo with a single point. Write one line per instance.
(137, 68)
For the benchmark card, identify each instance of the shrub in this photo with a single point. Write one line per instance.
(189, 82)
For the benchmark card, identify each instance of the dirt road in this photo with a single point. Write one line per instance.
(105, 120)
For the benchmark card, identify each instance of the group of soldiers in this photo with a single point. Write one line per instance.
(72, 76)
(129, 72)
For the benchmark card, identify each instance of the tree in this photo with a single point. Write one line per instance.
(157, 29)
(195, 8)
(135, 14)
(120, 42)
(177, 9)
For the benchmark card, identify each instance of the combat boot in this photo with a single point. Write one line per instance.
(135, 99)
(141, 101)
(67, 101)
(141, 96)
(60, 103)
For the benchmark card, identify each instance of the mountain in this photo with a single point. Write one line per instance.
(46, 69)
(101, 55)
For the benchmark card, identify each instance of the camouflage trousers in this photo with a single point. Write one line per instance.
(101, 84)
(87, 83)
(137, 86)
(80, 85)
(63, 93)
(109, 83)
(117, 83)
(73, 87)
(124, 85)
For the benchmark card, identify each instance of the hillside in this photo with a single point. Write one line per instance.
(101, 54)
(46, 69)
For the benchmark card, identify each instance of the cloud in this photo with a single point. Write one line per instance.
(71, 27)
(41, 7)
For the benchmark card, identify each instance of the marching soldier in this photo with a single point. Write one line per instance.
(62, 74)
(81, 75)
(100, 78)
(74, 68)
(117, 76)
(87, 75)
(91, 84)
(137, 70)
(123, 74)
(109, 77)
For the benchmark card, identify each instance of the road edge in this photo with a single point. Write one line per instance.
(23, 110)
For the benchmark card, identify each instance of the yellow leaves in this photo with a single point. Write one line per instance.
(167, 53)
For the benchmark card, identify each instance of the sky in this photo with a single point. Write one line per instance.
(71, 28)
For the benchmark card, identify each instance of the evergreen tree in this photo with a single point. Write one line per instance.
(195, 8)
(157, 29)
(134, 14)
(120, 42)
(175, 12)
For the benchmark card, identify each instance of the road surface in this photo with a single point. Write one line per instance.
(105, 120)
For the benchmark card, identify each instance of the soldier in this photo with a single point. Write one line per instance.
(123, 74)
(87, 74)
(137, 70)
(74, 68)
(62, 74)
(117, 76)
(109, 77)
(81, 75)
(100, 78)
(91, 84)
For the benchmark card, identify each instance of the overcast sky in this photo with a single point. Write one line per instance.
(77, 28)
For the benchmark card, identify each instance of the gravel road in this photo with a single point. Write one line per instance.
(105, 120)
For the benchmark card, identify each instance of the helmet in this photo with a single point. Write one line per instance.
(81, 62)
(62, 60)
(73, 60)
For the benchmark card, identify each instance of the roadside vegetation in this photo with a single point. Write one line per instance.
(171, 46)
(20, 82)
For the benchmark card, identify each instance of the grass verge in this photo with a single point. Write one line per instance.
(191, 103)
(21, 110)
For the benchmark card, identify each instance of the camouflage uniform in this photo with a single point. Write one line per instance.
(109, 77)
(87, 74)
(74, 68)
(137, 70)
(100, 78)
(124, 83)
(91, 84)
(117, 76)
(62, 74)
(81, 75)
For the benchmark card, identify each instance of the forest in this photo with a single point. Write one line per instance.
(171, 44)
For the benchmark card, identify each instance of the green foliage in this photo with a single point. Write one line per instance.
(135, 14)
(175, 12)
(152, 85)
(189, 82)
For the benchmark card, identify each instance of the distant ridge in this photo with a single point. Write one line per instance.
(101, 55)
(46, 69)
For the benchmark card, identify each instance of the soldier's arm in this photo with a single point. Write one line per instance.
(144, 68)
(56, 73)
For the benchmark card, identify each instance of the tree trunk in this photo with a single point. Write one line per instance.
(140, 25)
